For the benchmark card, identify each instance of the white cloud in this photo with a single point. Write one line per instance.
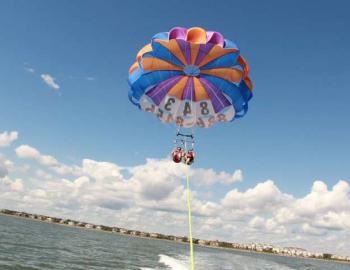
(101, 171)
(264, 197)
(17, 185)
(266, 225)
(50, 81)
(28, 152)
(41, 174)
(13, 185)
(257, 222)
(153, 197)
(39, 193)
(3, 170)
(210, 177)
(6, 138)
(7, 166)
(308, 229)
(63, 169)
(156, 179)
(322, 207)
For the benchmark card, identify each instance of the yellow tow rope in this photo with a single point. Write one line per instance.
(189, 218)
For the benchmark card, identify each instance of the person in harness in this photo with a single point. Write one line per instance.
(179, 155)
(189, 157)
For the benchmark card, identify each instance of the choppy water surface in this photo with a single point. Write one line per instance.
(26, 244)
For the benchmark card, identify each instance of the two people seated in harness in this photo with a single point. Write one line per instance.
(180, 155)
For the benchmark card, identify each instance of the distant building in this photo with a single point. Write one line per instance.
(8, 212)
(171, 237)
(236, 245)
(154, 235)
(225, 244)
(267, 248)
(319, 255)
(195, 240)
(124, 231)
(276, 250)
(89, 226)
(115, 230)
(144, 234)
(106, 228)
(203, 242)
(135, 233)
(214, 243)
(180, 239)
(23, 214)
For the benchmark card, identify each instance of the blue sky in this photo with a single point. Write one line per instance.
(297, 128)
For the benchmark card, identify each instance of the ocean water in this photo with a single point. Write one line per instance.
(27, 244)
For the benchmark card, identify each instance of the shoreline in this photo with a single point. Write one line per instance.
(180, 240)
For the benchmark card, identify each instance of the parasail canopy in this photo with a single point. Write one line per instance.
(191, 77)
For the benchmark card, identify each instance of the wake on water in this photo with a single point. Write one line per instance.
(240, 263)
(170, 262)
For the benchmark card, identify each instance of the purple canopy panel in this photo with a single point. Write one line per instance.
(178, 33)
(188, 93)
(203, 51)
(218, 99)
(186, 49)
(215, 38)
(158, 93)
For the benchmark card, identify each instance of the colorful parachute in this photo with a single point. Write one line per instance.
(191, 77)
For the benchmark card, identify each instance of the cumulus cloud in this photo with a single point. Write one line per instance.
(6, 138)
(152, 196)
(41, 174)
(264, 197)
(268, 225)
(15, 185)
(210, 177)
(31, 153)
(308, 229)
(101, 171)
(322, 207)
(7, 166)
(3, 170)
(28, 152)
(156, 179)
(50, 81)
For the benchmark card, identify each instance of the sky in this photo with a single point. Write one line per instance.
(72, 144)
